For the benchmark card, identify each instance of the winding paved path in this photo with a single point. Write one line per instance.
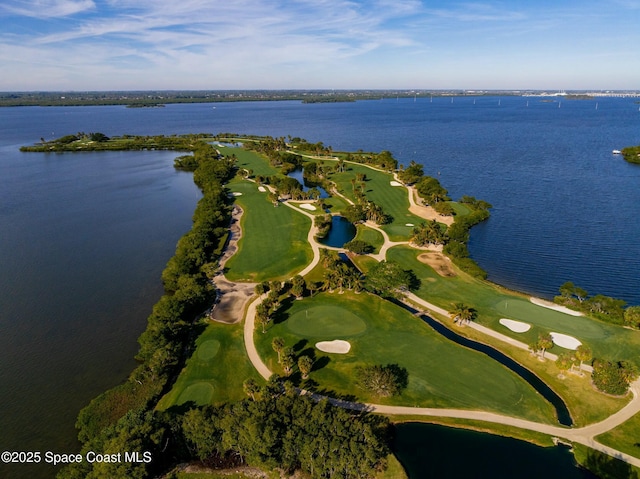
(584, 435)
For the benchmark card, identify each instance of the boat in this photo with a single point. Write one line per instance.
(616, 152)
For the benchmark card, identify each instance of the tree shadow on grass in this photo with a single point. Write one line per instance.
(607, 467)
(282, 314)
(299, 346)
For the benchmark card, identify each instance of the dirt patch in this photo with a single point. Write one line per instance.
(439, 262)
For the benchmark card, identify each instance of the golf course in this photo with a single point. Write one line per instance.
(341, 301)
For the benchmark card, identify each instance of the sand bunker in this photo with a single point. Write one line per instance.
(515, 326)
(565, 341)
(440, 263)
(262, 188)
(395, 183)
(409, 224)
(555, 307)
(307, 206)
(336, 346)
(236, 193)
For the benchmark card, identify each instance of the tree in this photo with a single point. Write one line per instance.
(462, 314)
(613, 377)
(251, 388)
(201, 432)
(632, 317)
(278, 346)
(288, 360)
(428, 233)
(298, 286)
(383, 381)
(387, 278)
(359, 247)
(305, 365)
(564, 362)
(262, 317)
(545, 341)
(583, 353)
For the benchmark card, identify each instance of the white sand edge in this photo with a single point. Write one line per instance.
(262, 188)
(515, 326)
(565, 341)
(236, 193)
(555, 307)
(336, 346)
(395, 183)
(409, 224)
(307, 206)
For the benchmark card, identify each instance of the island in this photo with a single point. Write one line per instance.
(631, 154)
(301, 320)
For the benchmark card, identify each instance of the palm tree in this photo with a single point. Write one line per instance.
(251, 388)
(278, 345)
(305, 364)
(462, 313)
(583, 353)
(288, 360)
(545, 341)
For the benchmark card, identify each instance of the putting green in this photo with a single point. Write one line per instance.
(548, 318)
(200, 393)
(208, 349)
(326, 321)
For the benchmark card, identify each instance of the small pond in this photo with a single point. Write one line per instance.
(298, 175)
(341, 232)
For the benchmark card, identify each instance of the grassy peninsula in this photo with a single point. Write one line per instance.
(256, 310)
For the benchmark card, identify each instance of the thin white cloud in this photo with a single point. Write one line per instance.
(47, 8)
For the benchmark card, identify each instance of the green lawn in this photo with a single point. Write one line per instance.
(493, 303)
(625, 438)
(393, 199)
(441, 374)
(215, 371)
(274, 239)
(251, 160)
(370, 236)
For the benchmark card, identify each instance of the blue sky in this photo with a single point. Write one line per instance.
(304, 44)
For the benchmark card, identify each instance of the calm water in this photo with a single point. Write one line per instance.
(83, 237)
(342, 231)
(431, 451)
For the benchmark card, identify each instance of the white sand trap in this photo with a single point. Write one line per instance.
(515, 326)
(395, 183)
(262, 188)
(565, 341)
(237, 193)
(409, 224)
(307, 206)
(555, 307)
(336, 346)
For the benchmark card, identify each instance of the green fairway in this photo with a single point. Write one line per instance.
(370, 236)
(441, 374)
(215, 371)
(625, 437)
(252, 161)
(393, 199)
(274, 239)
(325, 320)
(493, 303)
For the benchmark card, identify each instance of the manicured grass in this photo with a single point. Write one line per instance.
(215, 371)
(370, 236)
(493, 303)
(441, 374)
(252, 161)
(625, 437)
(274, 239)
(393, 199)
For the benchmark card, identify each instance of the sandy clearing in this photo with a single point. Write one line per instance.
(555, 307)
(565, 341)
(439, 262)
(307, 206)
(337, 346)
(515, 326)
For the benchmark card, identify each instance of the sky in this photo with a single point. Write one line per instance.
(81, 45)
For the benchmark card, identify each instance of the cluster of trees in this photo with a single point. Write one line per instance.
(359, 247)
(364, 209)
(281, 429)
(429, 188)
(462, 313)
(383, 160)
(276, 293)
(568, 360)
(287, 359)
(631, 154)
(122, 418)
(382, 381)
(388, 279)
(96, 141)
(339, 274)
(458, 236)
(430, 232)
(605, 308)
(613, 377)
(323, 223)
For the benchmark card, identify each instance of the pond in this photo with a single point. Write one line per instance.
(298, 175)
(428, 450)
(342, 231)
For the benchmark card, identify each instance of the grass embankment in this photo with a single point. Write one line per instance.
(369, 236)
(441, 374)
(274, 239)
(625, 437)
(215, 371)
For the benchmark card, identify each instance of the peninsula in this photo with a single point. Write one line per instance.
(269, 339)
